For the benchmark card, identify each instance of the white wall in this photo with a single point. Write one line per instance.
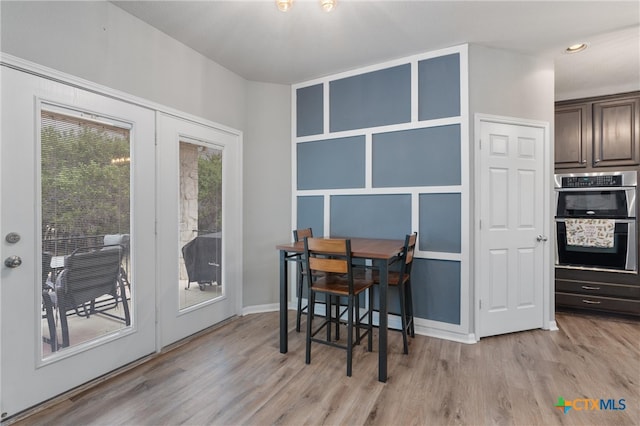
(506, 83)
(99, 42)
(267, 189)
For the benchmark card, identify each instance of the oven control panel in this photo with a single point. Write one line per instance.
(591, 181)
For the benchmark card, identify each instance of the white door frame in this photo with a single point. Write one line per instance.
(548, 318)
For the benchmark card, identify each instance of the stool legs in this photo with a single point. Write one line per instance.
(300, 308)
(403, 317)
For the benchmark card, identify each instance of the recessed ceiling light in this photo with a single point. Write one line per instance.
(575, 48)
(284, 5)
(328, 5)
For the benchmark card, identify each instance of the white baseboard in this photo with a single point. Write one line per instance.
(258, 309)
(394, 322)
(428, 330)
(422, 327)
(552, 326)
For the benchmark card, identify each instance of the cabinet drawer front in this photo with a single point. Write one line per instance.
(598, 289)
(608, 304)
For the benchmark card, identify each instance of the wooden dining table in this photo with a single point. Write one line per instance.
(381, 252)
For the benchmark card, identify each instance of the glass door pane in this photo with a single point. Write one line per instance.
(200, 227)
(85, 217)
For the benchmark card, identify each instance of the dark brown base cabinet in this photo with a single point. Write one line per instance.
(598, 291)
(598, 132)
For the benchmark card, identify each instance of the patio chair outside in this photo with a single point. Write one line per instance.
(89, 274)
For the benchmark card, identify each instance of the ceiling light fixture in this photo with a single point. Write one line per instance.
(328, 5)
(575, 48)
(284, 5)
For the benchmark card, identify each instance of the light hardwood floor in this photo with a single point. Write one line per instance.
(235, 375)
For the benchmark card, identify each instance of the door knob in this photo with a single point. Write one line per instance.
(12, 261)
(541, 238)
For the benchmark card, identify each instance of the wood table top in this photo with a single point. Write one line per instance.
(368, 248)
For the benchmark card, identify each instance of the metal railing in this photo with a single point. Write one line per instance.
(64, 246)
(60, 247)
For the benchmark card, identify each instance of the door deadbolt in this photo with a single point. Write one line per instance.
(12, 261)
(12, 237)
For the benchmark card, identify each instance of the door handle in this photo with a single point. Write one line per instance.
(12, 261)
(542, 238)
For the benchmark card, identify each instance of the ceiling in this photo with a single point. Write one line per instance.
(258, 42)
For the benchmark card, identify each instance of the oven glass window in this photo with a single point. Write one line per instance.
(596, 257)
(601, 250)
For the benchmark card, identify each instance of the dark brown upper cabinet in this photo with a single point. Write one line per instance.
(572, 136)
(598, 132)
(616, 132)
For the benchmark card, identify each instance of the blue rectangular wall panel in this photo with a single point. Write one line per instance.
(417, 157)
(373, 99)
(310, 214)
(393, 302)
(440, 222)
(331, 163)
(309, 110)
(371, 216)
(439, 87)
(435, 286)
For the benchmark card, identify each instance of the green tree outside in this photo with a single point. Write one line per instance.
(84, 192)
(86, 182)
(210, 191)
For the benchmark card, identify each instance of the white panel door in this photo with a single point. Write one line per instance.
(511, 262)
(200, 226)
(32, 368)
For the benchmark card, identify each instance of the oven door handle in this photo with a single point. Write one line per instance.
(563, 219)
(596, 189)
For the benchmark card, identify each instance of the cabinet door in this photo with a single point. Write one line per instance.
(572, 135)
(616, 132)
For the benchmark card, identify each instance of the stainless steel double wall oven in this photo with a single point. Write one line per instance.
(594, 200)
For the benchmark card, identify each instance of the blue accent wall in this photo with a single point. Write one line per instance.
(309, 110)
(439, 87)
(310, 214)
(371, 216)
(332, 163)
(414, 167)
(435, 285)
(373, 99)
(440, 223)
(417, 157)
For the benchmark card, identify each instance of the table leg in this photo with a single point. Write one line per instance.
(383, 320)
(284, 299)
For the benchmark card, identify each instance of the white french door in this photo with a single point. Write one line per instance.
(200, 215)
(77, 167)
